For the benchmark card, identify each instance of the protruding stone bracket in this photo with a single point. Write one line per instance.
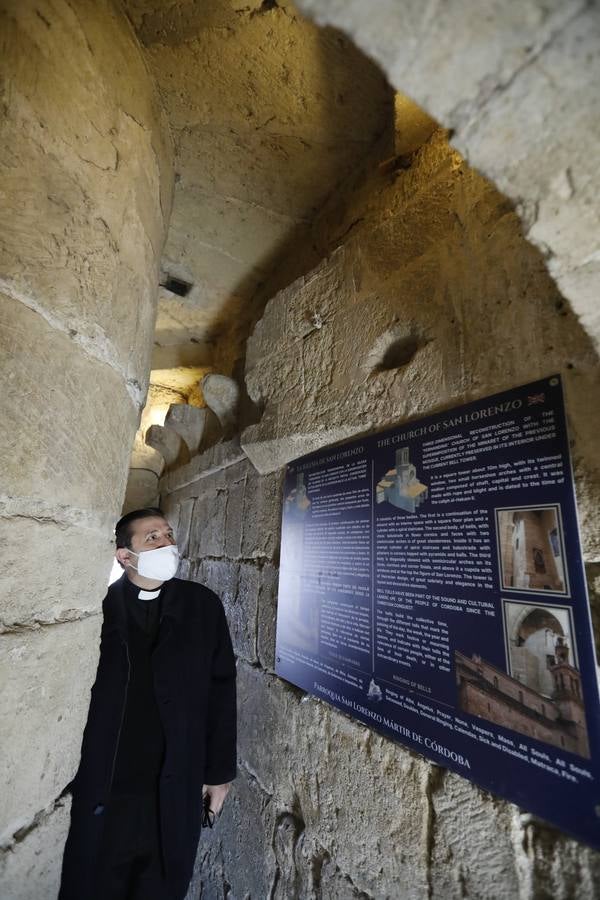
(222, 396)
(169, 444)
(198, 427)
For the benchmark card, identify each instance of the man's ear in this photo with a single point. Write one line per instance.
(123, 556)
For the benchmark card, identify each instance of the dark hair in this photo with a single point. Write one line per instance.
(123, 526)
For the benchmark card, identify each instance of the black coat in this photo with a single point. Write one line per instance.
(194, 680)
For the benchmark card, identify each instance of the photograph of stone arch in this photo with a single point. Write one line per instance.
(531, 549)
(541, 695)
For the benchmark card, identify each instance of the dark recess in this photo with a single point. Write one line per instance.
(176, 286)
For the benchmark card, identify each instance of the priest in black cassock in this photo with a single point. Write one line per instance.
(159, 747)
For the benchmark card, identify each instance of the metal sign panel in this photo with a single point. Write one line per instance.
(432, 586)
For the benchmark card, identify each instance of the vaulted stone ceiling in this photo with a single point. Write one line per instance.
(268, 114)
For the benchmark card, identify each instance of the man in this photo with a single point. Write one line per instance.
(158, 751)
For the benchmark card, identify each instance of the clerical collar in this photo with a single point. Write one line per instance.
(148, 595)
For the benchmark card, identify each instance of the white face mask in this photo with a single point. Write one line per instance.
(159, 564)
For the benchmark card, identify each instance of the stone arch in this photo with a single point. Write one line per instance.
(484, 71)
(533, 619)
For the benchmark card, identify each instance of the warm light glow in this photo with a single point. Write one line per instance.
(155, 415)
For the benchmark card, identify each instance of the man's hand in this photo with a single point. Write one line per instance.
(216, 794)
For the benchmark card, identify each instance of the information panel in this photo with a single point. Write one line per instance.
(432, 586)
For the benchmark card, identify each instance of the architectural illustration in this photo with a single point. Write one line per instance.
(400, 486)
(531, 554)
(557, 718)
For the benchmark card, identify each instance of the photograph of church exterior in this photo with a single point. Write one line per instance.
(531, 549)
(542, 696)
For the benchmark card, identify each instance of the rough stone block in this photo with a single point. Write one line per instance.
(64, 447)
(551, 174)
(91, 157)
(478, 860)
(261, 518)
(185, 481)
(236, 859)
(30, 869)
(196, 427)
(237, 587)
(168, 443)
(184, 525)
(267, 616)
(481, 270)
(337, 778)
(234, 513)
(45, 676)
(244, 612)
(222, 395)
(207, 531)
(452, 58)
(141, 491)
(42, 560)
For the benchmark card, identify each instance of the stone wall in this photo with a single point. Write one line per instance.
(512, 81)
(85, 181)
(427, 296)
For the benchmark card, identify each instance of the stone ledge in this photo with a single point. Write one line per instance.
(213, 460)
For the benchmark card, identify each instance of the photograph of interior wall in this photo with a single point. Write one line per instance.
(531, 549)
(297, 499)
(533, 634)
(542, 697)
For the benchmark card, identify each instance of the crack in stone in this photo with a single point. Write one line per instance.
(253, 777)
(18, 836)
(40, 511)
(474, 108)
(105, 352)
(37, 624)
(206, 473)
(433, 780)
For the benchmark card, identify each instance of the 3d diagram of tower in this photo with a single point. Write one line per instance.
(400, 486)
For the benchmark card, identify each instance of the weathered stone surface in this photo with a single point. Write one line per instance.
(187, 422)
(482, 69)
(267, 616)
(235, 859)
(263, 108)
(85, 180)
(41, 560)
(453, 56)
(142, 490)
(30, 870)
(198, 428)
(222, 395)
(550, 865)
(336, 779)
(238, 591)
(168, 443)
(438, 257)
(472, 837)
(261, 515)
(185, 480)
(44, 707)
(88, 158)
(55, 445)
(552, 175)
